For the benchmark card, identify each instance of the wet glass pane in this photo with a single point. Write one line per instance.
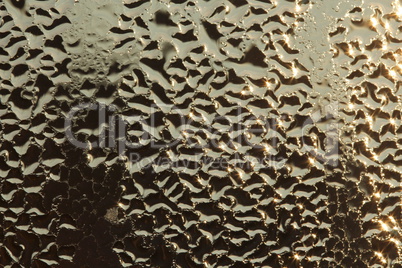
(240, 133)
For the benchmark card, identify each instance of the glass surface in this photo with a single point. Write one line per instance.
(241, 133)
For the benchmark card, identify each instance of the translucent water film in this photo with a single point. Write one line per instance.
(200, 133)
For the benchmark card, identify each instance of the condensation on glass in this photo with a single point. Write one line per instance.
(241, 133)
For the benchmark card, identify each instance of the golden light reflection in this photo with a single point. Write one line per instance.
(222, 145)
(286, 37)
(295, 71)
(374, 21)
(384, 226)
(351, 51)
(380, 256)
(266, 147)
(399, 11)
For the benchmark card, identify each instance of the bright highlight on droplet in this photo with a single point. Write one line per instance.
(378, 254)
(374, 22)
(295, 71)
(366, 140)
(266, 147)
(384, 226)
(351, 106)
(392, 121)
(399, 11)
